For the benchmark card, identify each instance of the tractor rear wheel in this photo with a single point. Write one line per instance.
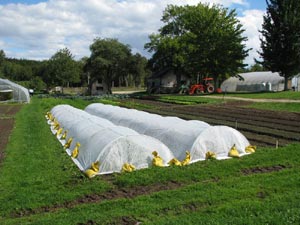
(210, 89)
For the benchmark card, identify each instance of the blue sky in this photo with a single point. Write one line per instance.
(37, 31)
(258, 4)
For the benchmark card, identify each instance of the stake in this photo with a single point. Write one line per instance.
(276, 143)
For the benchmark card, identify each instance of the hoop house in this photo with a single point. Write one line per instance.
(19, 93)
(102, 141)
(254, 82)
(179, 135)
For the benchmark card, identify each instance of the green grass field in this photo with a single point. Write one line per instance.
(269, 95)
(39, 184)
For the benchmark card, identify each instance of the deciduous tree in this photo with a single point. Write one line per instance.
(62, 69)
(201, 39)
(108, 60)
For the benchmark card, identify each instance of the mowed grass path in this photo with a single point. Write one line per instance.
(37, 179)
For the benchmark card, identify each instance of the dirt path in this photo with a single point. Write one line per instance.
(7, 113)
(261, 127)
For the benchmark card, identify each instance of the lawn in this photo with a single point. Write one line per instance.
(39, 184)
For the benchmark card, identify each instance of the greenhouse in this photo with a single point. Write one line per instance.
(177, 134)
(15, 92)
(98, 147)
(296, 83)
(254, 82)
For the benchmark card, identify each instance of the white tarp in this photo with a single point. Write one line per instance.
(101, 140)
(179, 135)
(20, 94)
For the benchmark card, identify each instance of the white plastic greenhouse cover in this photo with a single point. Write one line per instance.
(20, 94)
(102, 141)
(179, 135)
(254, 82)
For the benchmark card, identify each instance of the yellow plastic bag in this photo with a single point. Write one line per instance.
(93, 170)
(187, 159)
(64, 135)
(75, 152)
(69, 142)
(250, 149)
(174, 162)
(157, 160)
(210, 155)
(233, 152)
(128, 167)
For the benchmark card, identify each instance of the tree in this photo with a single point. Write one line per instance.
(138, 69)
(62, 69)
(108, 61)
(280, 44)
(199, 39)
(2, 57)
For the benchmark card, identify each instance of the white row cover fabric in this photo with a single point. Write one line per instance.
(101, 140)
(20, 93)
(179, 135)
(254, 82)
(218, 139)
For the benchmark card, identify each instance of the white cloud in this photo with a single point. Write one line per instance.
(38, 31)
(252, 22)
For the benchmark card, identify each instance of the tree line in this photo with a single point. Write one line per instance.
(113, 63)
(202, 39)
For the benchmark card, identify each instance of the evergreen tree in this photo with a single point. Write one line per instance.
(280, 43)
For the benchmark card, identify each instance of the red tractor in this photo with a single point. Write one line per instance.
(205, 87)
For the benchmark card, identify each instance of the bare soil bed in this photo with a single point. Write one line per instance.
(7, 113)
(261, 127)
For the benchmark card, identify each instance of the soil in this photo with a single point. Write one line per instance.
(7, 113)
(268, 169)
(261, 127)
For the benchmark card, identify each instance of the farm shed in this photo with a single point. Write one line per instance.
(165, 81)
(179, 135)
(254, 82)
(98, 140)
(18, 92)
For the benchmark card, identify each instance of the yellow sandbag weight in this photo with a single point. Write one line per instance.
(210, 155)
(75, 152)
(68, 144)
(157, 160)
(250, 149)
(93, 170)
(233, 152)
(128, 167)
(176, 162)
